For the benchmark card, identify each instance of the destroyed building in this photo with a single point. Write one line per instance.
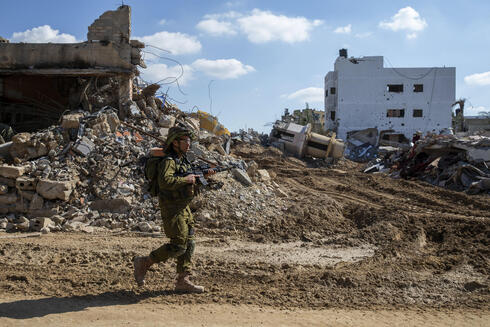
(306, 116)
(360, 93)
(39, 81)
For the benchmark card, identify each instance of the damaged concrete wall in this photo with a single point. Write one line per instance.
(362, 94)
(84, 75)
(113, 25)
(29, 58)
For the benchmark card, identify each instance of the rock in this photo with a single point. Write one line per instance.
(113, 121)
(71, 120)
(242, 176)
(145, 227)
(3, 189)
(252, 168)
(58, 219)
(45, 230)
(71, 226)
(22, 224)
(9, 198)
(37, 224)
(11, 171)
(84, 146)
(119, 205)
(3, 224)
(166, 121)
(37, 202)
(52, 190)
(263, 175)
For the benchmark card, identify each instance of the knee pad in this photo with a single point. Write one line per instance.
(176, 250)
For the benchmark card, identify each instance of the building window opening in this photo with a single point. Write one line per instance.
(397, 88)
(395, 113)
(326, 93)
(418, 113)
(418, 87)
(332, 115)
(332, 90)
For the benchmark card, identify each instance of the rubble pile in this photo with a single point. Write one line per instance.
(458, 163)
(87, 173)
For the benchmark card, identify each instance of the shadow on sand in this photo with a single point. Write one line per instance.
(25, 309)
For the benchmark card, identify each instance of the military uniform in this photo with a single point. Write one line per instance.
(174, 195)
(178, 223)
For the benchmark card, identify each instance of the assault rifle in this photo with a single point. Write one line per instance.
(201, 170)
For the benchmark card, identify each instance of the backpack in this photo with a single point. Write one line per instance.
(151, 174)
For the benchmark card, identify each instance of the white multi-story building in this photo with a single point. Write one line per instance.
(360, 93)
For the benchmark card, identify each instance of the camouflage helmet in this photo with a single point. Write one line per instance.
(177, 132)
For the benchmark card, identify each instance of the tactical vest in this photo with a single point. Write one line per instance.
(182, 165)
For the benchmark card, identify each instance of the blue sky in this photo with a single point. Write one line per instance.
(259, 57)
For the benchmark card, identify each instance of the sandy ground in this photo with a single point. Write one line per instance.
(104, 312)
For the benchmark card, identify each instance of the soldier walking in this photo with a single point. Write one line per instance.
(174, 195)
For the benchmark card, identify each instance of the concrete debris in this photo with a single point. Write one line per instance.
(85, 173)
(459, 163)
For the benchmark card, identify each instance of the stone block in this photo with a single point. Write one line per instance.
(25, 184)
(52, 190)
(11, 171)
(71, 120)
(241, 176)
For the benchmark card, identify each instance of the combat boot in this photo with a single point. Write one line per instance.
(185, 285)
(141, 266)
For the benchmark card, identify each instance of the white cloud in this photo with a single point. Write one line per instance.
(215, 27)
(309, 94)
(343, 29)
(478, 79)
(407, 19)
(162, 22)
(176, 43)
(42, 34)
(222, 68)
(165, 74)
(263, 26)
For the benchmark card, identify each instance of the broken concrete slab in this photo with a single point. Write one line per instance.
(242, 176)
(25, 183)
(52, 190)
(11, 171)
